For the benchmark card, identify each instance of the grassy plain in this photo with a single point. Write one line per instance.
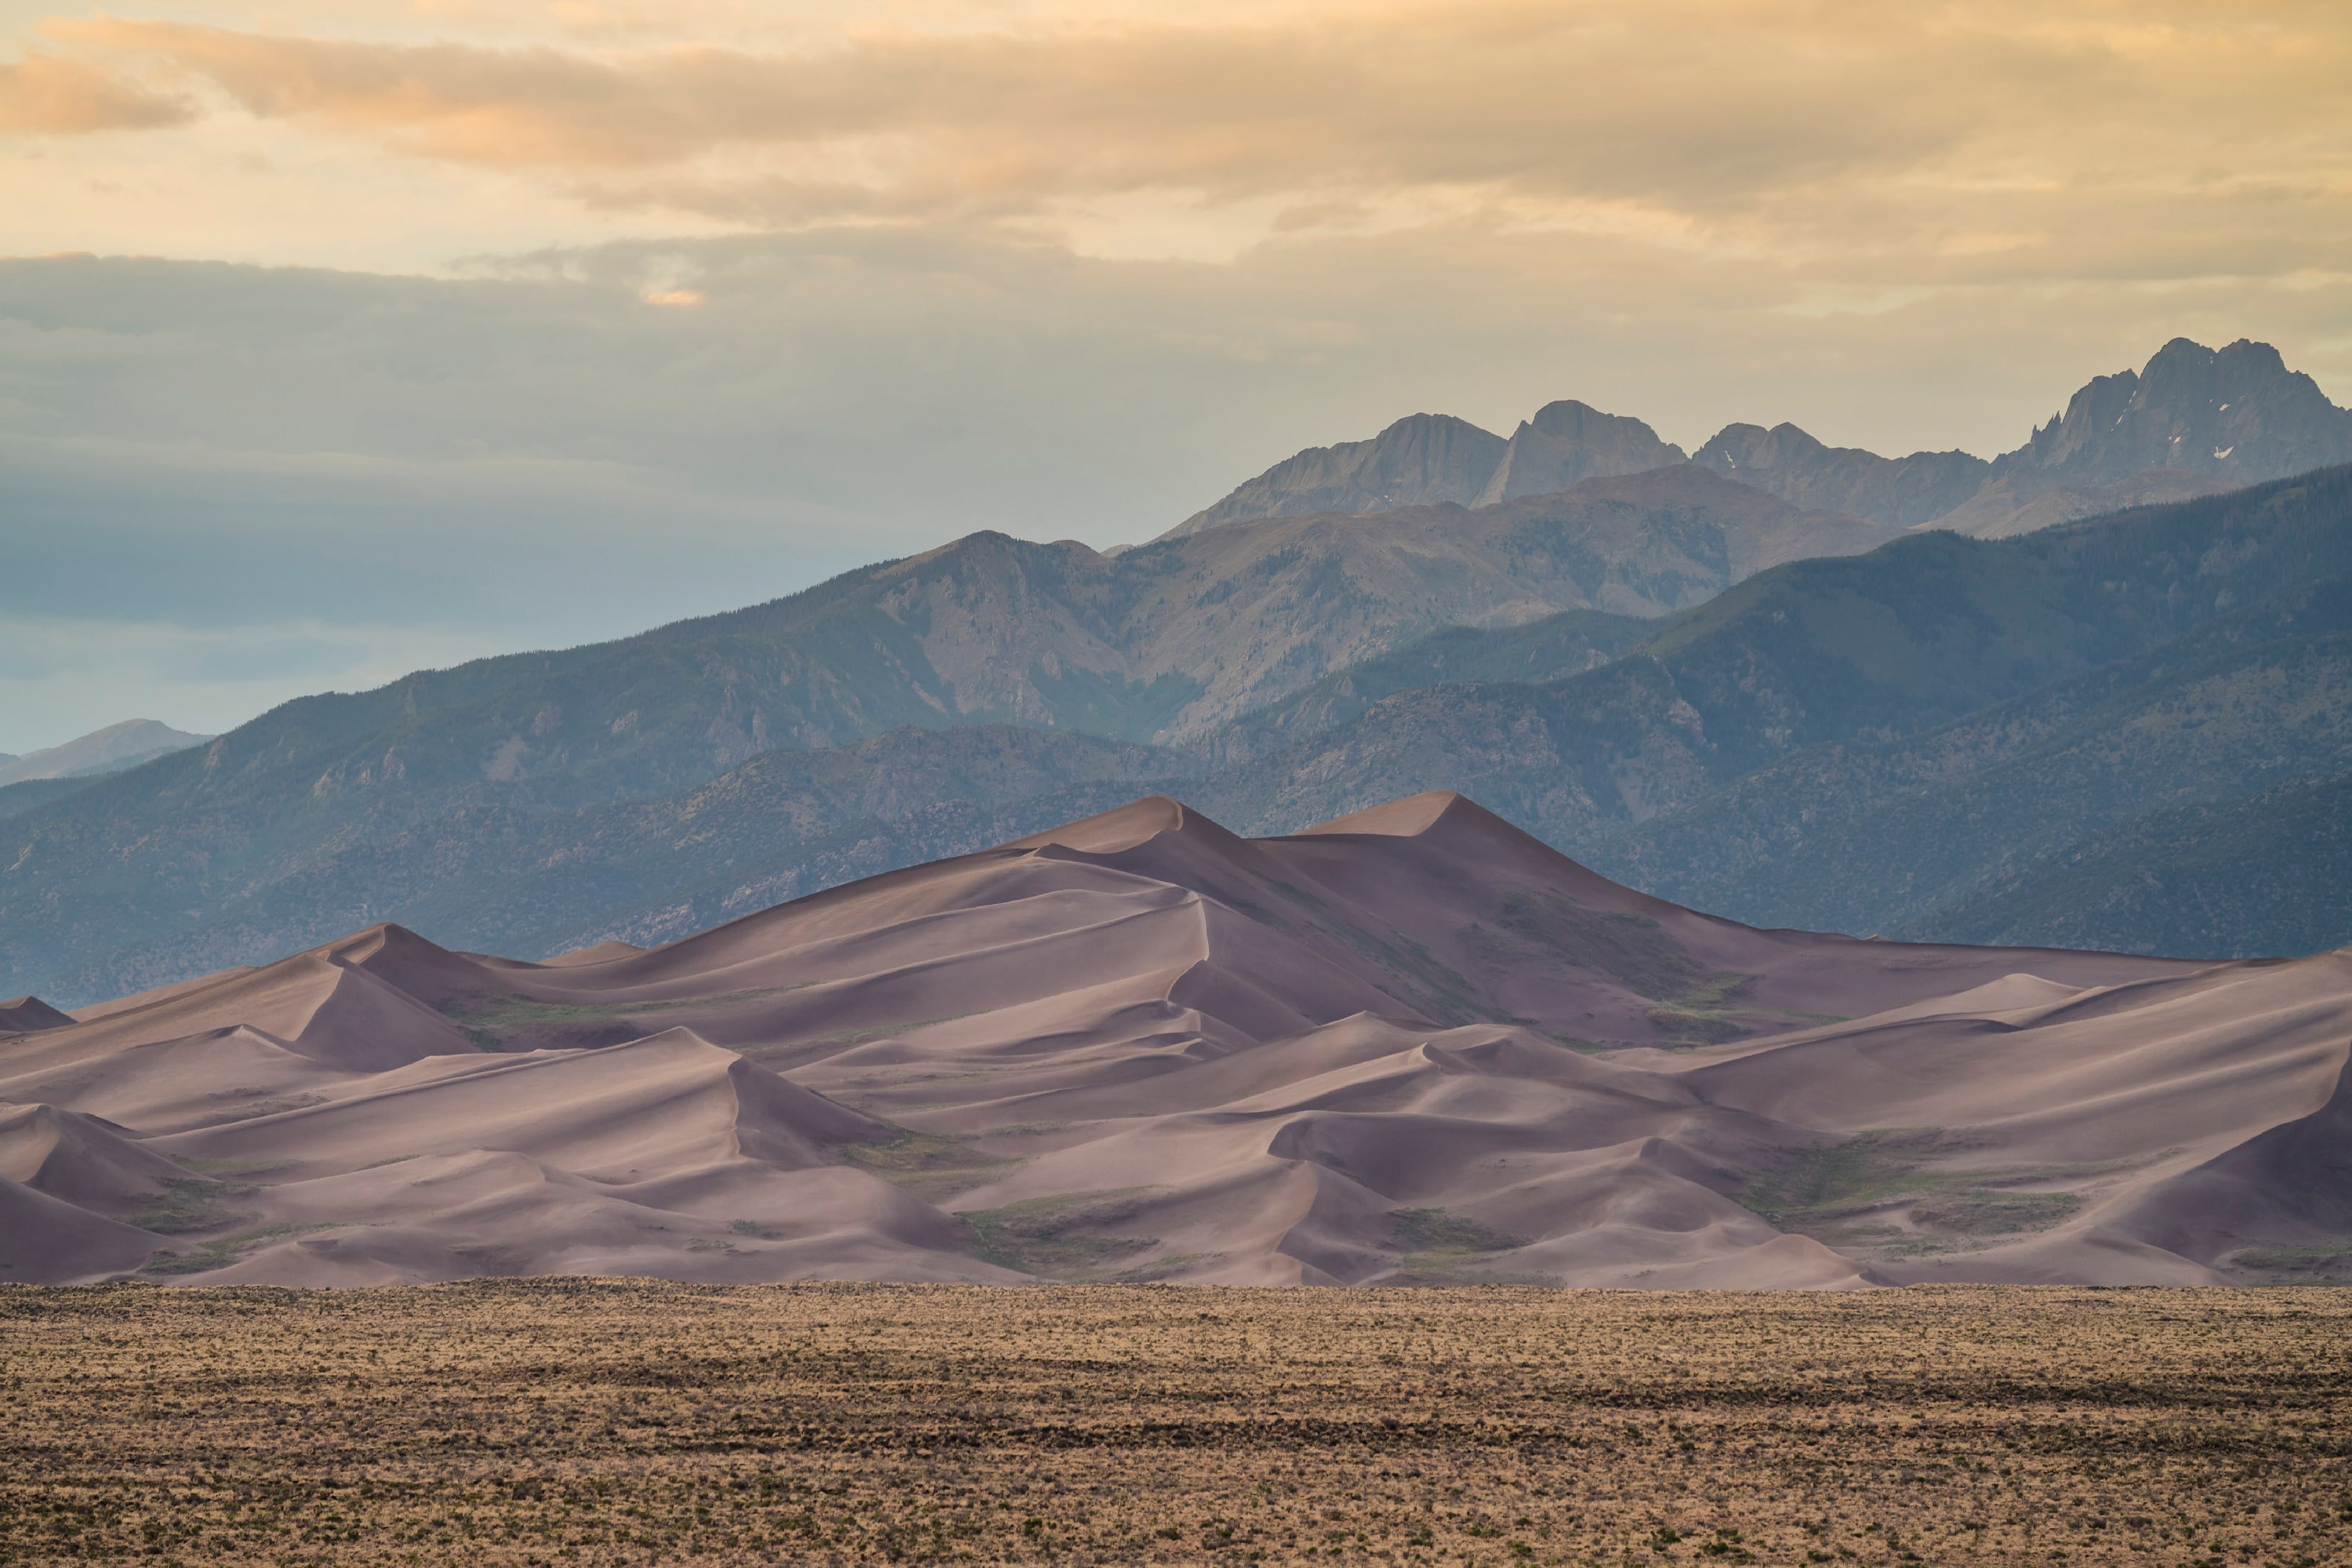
(589, 1421)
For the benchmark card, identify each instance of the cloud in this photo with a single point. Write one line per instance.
(1536, 99)
(48, 95)
(1883, 146)
(1719, 103)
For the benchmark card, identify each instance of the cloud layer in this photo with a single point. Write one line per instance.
(1944, 143)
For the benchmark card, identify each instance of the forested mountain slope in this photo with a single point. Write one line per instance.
(1169, 642)
(1904, 741)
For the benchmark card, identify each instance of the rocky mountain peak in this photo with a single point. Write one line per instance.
(117, 746)
(1433, 459)
(2192, 420)
(2236, 413)
(1902, 493)
(1568, 442)
(1422, 459)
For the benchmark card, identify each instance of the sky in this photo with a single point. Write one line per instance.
(337, 339)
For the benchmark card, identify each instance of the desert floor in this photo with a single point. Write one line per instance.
(570, 1421)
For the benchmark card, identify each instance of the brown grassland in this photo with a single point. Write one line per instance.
(574, 1421)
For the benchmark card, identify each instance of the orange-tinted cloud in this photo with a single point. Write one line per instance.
(47, 94)
(1590, 98)
(1976, 135)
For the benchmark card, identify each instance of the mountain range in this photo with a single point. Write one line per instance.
(1788, 716)
(2194, 421)
(1436, 459)
(110, 749)
(907, 928)
(1409, 1046)
(1164, 643)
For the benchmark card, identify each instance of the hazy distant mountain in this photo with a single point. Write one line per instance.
(2022, 502)
(1901, 491)
(2237, 413)
(124, 745)
(1433, 459)
(2196, 421)
(1423, 459)
(1568, 442)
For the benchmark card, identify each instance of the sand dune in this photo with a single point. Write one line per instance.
(25, 1014)
(1411, 1045)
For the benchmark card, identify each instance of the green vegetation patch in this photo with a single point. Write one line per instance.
(222, 1251)
(1693, 1004)
(1880, 1191)
(1634, 951)
(1060, 1236)
(928, 1166)
(1440, 991)
(225, 1167)
(1437, 1247)
(2326, 1265)
(1702, 1014)
(188, 1204)
(488, 1020)
(848, 1036)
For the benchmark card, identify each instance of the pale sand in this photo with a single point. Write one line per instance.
(1411, 1044)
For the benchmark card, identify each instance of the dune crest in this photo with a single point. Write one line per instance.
(1409, 1045)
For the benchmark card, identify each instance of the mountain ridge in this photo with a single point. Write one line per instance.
(1594, 731)
(1155, 644)
(110, 749)
(2194, 420)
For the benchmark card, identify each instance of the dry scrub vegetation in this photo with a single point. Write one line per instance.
(558, 1422)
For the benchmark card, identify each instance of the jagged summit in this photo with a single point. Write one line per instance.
(1431, 460)
(1422, 459)
(2236, 413)
(1568, 442)
(2194, 420)
(1902, 492)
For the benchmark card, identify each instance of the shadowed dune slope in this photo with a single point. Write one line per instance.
(25, 1014)
(1411, 1044)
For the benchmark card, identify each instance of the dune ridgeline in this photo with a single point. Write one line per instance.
(1411, 1045)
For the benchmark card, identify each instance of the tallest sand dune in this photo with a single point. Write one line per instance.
(1414, 1044)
